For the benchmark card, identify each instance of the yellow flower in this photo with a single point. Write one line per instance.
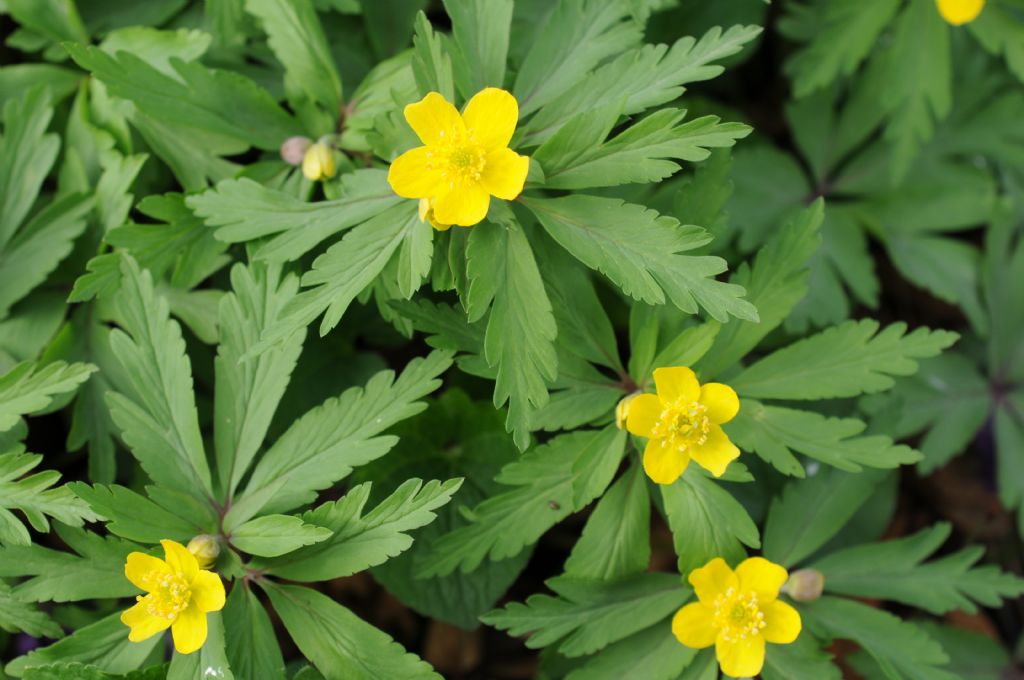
(179, 595)
(465, 158)
(682, 422)
(318, 162)
(427, 215)
(960, 12)
(738, 612)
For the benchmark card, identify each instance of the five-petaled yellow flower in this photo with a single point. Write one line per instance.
(179, 595)
(465, 158)
(960, 12)
(738, 612)
(683, 422)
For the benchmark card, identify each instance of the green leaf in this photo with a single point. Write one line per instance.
(791, 534)
(27, 152)
(157, 47)
(895, 570)
(803, 658)
(521, 330)
(637, 249)
(251, 646)
(27, 388)
(775, 432)
(273, 535)
(775, 283)
(651, 654)
(480, 38)
(362, 541)
(56, 576)
(57, 20)
(156, 410)
(999, 31)
(644, 77)
(297, 39)
(706, 521)
(248, 392)
(134, 516)
(33, 495)
(639, 153)
(616, 540)
(587, 615)
(844, 361)
(211, 660)
(222, 102)
(18, 615)
(325, 444)
(900, 648)
(575, 37)
(244, 211)
(551, 482)
(339, 643)
(431, 64)
(103, 644)
(839, 37)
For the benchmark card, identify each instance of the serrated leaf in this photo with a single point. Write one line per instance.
(844, 361)
(134, 516)
(587, 615)
(362, 541)
(339, 643)
(431, 63)
(651, 654)
(638, 250)
(18, 615)
(28, 388)
(896, 570)
(251, 646)
(325, 444)
(32, 494)
(480, 40)
(706, 522)
(552, 481)
(273, 535)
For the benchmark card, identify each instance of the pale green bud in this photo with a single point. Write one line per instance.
(319, 162)
(205, 548)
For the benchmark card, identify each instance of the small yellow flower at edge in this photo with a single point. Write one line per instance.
(319, 163)
(427, 215)
(465, 158)
(178, 596)
(683, 422)
(737, 612)
(960, 12)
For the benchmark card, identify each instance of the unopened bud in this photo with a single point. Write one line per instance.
(318, 163)
(205, 548)
(293, 150)
(622, 411)
(805, 585)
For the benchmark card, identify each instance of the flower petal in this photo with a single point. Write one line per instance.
(143, 624)
(721, 402)
(208, 591)
(664, 464)
(491, 117)
(410, 177)
(692, 626)
(676, 382)
(715, 454)
(180, 560)
(189, 629)
(742, 658)
(782, 623)
(504, 173)
(644, 411)
(465, 205)
(762, 577)
(713, 579)
(960, 12)
(434, 119)
(141, 569)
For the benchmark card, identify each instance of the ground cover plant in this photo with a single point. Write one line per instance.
(561, 339)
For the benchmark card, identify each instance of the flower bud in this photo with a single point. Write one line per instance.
(205, 548)
(293, 149)
(622, 411)
(805, 585)
(319, 162)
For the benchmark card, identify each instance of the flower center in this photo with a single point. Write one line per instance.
(737, 615)
(683, 424)
(459, 159)
(169, 596)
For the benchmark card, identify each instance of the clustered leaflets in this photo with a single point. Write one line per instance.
(286, 461)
